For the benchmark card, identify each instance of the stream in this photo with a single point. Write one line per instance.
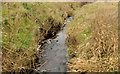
(54, 53)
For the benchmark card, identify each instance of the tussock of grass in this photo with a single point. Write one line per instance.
(95, 38)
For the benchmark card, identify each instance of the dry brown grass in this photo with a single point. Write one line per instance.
(99, 51)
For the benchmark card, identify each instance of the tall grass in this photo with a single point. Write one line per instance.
(96, 34)
(19, 40)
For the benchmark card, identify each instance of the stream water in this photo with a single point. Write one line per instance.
(54, 55)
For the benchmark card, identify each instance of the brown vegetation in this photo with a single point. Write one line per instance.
(98, 49)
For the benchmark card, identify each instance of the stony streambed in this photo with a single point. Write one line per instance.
(54, 53)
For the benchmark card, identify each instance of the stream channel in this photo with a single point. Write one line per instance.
(54, 53)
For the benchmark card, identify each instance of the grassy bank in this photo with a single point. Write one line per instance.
(92, 35)
(23, 24)
(93, 38)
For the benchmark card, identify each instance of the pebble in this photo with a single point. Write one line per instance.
(56, 40)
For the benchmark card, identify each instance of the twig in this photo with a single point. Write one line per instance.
(47, 70)
(40, 64)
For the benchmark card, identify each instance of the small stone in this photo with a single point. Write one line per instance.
(56, 40)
